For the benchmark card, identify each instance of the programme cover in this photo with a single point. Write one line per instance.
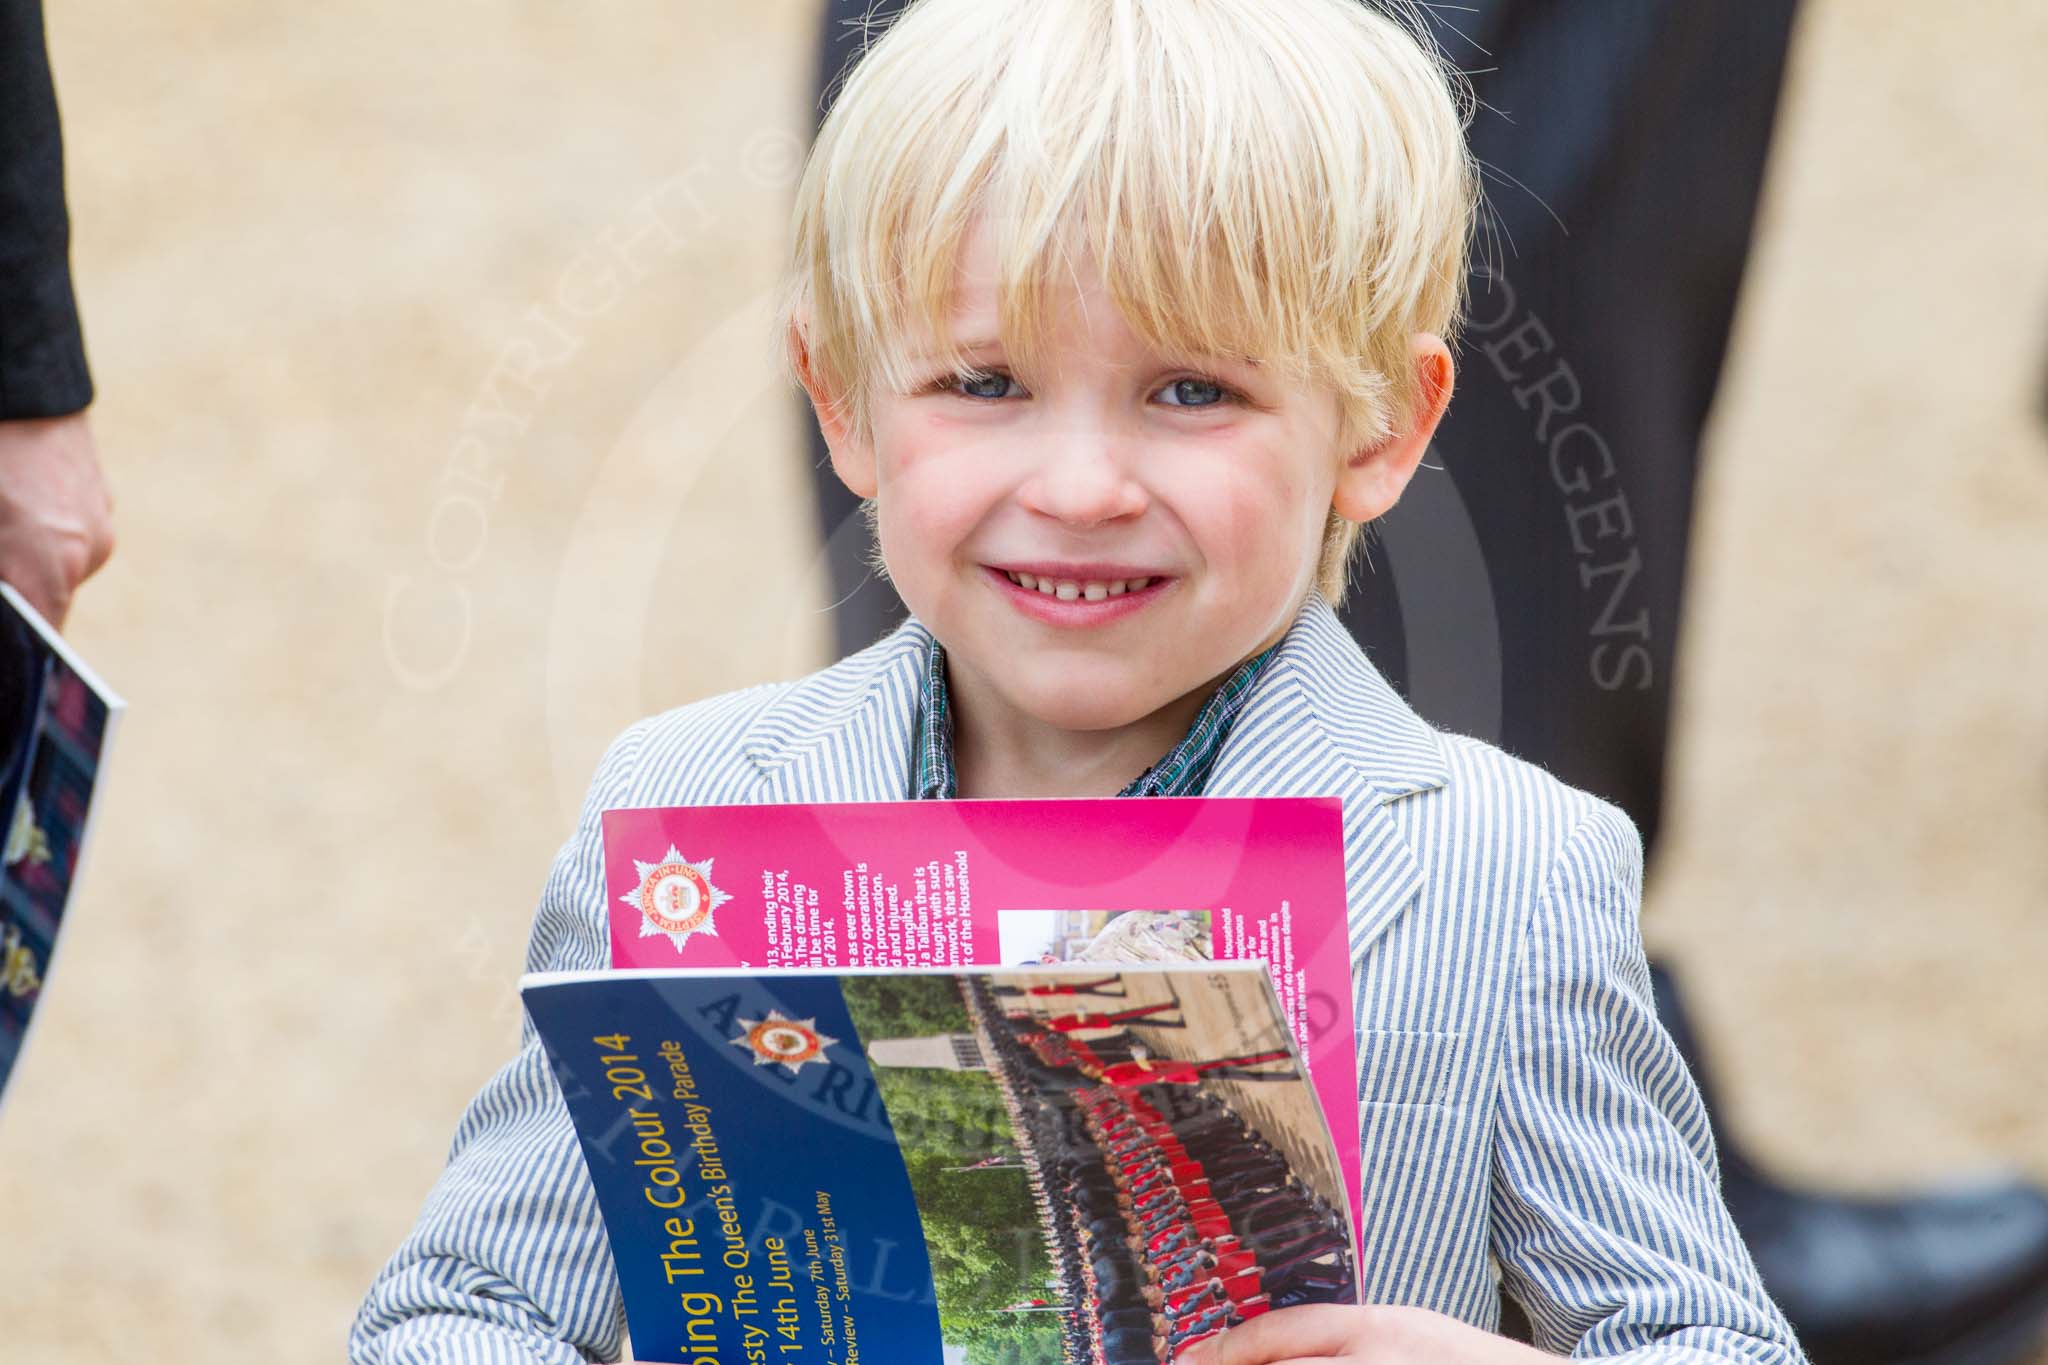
(59, 718)
(1004, 883)
(938, 1166)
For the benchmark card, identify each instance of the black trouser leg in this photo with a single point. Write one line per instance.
(1531, 590)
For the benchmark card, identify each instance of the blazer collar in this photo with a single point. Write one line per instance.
(1321, 720)
(1321, 689)
(843, 734)
(1319, 685)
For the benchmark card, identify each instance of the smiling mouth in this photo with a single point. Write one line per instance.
(1078, 589)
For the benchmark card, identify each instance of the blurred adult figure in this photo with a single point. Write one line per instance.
(56, 524)
(1625, 148)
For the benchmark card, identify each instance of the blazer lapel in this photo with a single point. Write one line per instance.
(844, 734)
(1321, 721)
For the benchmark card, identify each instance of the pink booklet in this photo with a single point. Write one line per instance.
(1008, 884)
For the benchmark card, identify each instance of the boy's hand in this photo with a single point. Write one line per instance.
(1357, 1336)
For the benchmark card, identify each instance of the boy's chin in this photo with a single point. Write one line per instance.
(1086, 705)
(1080, 716)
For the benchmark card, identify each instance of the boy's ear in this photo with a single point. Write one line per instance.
(1374, 476)
(852, 461)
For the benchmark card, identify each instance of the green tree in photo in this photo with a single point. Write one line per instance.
(905, 1006)
(981, 1226)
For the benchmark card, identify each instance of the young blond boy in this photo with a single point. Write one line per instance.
(1126, 315)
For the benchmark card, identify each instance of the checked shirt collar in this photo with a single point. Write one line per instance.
(1182, 772)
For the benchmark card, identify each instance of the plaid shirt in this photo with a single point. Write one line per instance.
(1182, 772)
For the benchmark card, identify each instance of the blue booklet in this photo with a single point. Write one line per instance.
(58, 718)
(1106, 1162)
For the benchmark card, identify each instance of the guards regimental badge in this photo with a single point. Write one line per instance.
(675, 898)
(792, 1042)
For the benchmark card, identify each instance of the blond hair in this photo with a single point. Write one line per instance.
(1285, 180)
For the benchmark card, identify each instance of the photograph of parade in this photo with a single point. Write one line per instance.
(1110, 1165)
(1052, 936)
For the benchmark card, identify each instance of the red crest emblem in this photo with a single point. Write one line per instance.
(675, 898)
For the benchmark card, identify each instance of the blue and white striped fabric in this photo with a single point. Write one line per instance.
(1521, 1108)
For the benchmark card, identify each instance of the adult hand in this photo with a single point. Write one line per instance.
(56, 519)
(1357, 1336)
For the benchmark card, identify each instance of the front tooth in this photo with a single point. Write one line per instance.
(1025, 580)
(1116, 589)
(1137, 584)
(1096, 592)
(1045, 586)
(1067, 592)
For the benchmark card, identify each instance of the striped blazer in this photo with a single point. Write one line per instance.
(1525, 1119)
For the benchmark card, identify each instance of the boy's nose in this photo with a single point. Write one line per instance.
(1080, 481)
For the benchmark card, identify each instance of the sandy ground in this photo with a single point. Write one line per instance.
(437, 398)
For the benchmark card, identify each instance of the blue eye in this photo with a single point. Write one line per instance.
(1181, 388)
(988, 385)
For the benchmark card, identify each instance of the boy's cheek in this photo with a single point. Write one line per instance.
(912, 443)
(937, 503)
(920, 530)
(1256, 537)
